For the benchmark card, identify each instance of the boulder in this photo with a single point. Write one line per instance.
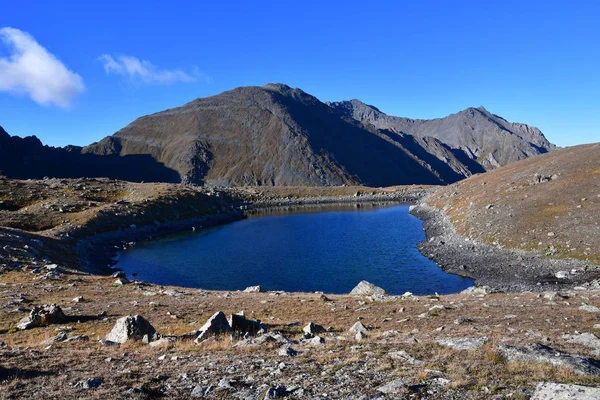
(242, 326)
(315, 341)
(215, 325)
(543, 354)
(276, 392)
(365, 288)
(131, 327)
(288, 351)
(311, 330)
(358, 327)
(43, 316)
(558, 391)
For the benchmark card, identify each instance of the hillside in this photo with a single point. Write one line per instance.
(474, 133)
(548, 204)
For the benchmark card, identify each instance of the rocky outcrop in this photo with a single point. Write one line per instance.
(42, 316)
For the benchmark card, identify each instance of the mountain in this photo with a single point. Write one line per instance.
(485, 138)
(28, 158)
(276, 135)
(280, 136)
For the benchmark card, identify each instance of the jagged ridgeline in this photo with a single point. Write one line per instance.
(276, 135)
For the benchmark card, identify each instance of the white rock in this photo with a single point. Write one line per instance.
(558, 391)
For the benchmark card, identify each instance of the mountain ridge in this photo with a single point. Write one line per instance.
(277, 135)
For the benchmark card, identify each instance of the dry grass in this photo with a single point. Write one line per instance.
(469, 371)
(525, 212)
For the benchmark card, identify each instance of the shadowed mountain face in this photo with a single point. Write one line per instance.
(276, 135)
(483, 137)
(28, 158)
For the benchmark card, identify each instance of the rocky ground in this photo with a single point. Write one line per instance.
(477, 344)
(471, 345)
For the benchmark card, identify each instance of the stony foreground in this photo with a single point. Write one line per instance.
(470, 345)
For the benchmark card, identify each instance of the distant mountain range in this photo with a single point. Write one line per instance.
(277, 135)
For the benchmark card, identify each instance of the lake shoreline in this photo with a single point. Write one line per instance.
(96, 253)
(503, 269)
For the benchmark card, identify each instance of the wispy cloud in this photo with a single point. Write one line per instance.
(30, 68)
(142, 71)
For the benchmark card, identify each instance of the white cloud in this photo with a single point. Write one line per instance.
(142, 71)
(30, 68)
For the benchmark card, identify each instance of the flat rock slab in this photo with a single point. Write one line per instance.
(396, 386)
(463, 343)
(557, 391)
(585, 339)
(544, 354)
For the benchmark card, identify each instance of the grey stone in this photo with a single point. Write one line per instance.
(404, 356)
(288, 351)
(130, 327)
(215, 325)
(585, 339)
(396, 386)
(266, 338)
(162, 342)
(540, 353)
(242, 326)
(43, 316)
(365, 288)
(358, 327)
(481, 290)
(588, 308)
(201, 391)
(558, 391)
(312, 329)
(463, 343)
(315, 341)
(224, 383)
(61, 337)
(91, 383)
(276, 392)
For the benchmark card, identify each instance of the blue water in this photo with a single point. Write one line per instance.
(328, 251)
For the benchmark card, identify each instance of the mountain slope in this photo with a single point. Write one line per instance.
(276, 135)
(549, 204)
(483, 137)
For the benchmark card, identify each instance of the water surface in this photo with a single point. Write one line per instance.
(329, 251)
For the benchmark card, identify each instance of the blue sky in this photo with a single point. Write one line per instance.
(86, 69)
